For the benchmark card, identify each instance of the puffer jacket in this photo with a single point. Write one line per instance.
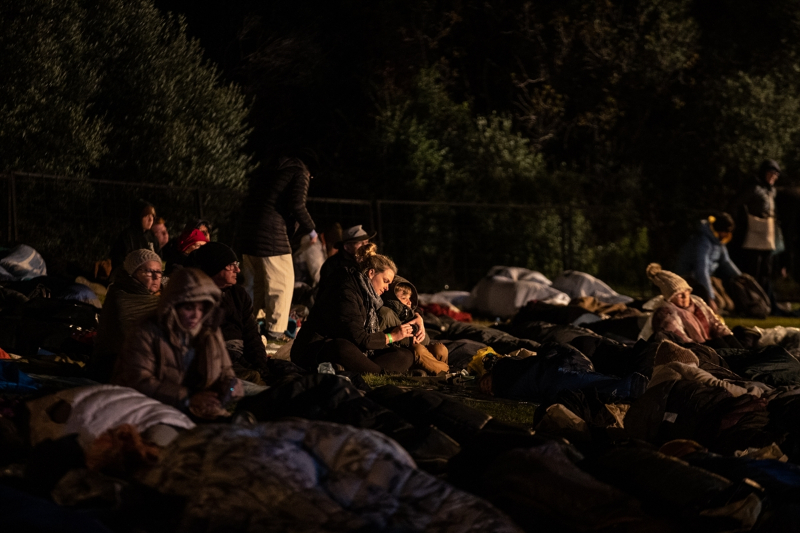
(757, 199)
(704, 255)
(275, 209)
(154, 358)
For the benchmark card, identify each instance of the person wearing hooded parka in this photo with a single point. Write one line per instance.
(177, 355)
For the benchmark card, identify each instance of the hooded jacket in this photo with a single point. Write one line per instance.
(275, 209)
(704, 255)
(133, 237)
(394, 312)
(126, 303)
(157, 357)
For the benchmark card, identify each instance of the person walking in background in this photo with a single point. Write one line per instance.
(705, 254)
(273, 211)
(755, 207)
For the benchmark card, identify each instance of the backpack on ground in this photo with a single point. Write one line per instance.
(748, 296)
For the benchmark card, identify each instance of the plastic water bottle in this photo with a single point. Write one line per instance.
(325, 368)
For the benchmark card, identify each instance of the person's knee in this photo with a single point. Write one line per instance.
(439, 351)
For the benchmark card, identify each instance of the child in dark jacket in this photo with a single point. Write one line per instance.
(399, 307)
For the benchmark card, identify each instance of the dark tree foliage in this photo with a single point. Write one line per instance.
(655, 110)
(117, 89)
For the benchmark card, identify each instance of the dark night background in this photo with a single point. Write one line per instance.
(644, 115)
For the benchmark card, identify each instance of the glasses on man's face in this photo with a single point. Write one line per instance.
(233, 266)
(152, 273)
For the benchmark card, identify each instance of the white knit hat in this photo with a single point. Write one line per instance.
(137, 258)
(669, 282)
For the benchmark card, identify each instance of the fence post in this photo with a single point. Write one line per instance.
(12, 211)
(380, 224)
(199, 197)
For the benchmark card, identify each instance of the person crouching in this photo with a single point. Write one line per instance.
(177, 354)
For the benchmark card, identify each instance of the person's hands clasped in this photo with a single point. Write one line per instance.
(205, 404)
(400, 332)
(420, 335)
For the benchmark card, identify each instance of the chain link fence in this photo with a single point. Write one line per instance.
(73, 221)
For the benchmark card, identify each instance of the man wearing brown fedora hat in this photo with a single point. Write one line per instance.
(352, 239)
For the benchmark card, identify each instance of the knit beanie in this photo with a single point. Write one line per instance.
(137, 258)
(213, 257)
(669, 282)
(190, 237)
(668, 352)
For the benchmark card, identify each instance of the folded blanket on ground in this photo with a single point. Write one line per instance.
(91, 411)
(300, 475)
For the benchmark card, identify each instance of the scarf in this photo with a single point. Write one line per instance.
(372, 301)
(694, 322)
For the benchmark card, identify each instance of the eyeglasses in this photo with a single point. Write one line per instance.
(152, 273)
(232, 266)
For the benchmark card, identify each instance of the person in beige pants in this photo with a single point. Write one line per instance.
(274, 209)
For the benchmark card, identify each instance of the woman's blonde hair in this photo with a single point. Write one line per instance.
(369, 259)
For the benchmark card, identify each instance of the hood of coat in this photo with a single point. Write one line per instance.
(705, 229)
(188, 285)
(389, 296)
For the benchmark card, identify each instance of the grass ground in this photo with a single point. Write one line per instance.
(769, 322)
(520, 414)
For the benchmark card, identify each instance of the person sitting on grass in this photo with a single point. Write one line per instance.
(682, 317)
(132, 296)
(239, 327)
(399, 307)
(342, 327)
(177, 355)
(189, 240)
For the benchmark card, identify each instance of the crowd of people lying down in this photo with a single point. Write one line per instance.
(166, 411)
(658, 416)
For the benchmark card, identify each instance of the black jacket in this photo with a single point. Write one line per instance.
(239, 323)
(133, 237)
(340, 313)
(340, 261)
(275, 209)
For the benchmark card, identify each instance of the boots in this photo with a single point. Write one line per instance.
(424, 359)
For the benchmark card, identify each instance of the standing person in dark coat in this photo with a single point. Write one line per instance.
(352, 239)
(239, 327)
(274, 210)
(755, 207)
(137, 236)
(343, 326)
